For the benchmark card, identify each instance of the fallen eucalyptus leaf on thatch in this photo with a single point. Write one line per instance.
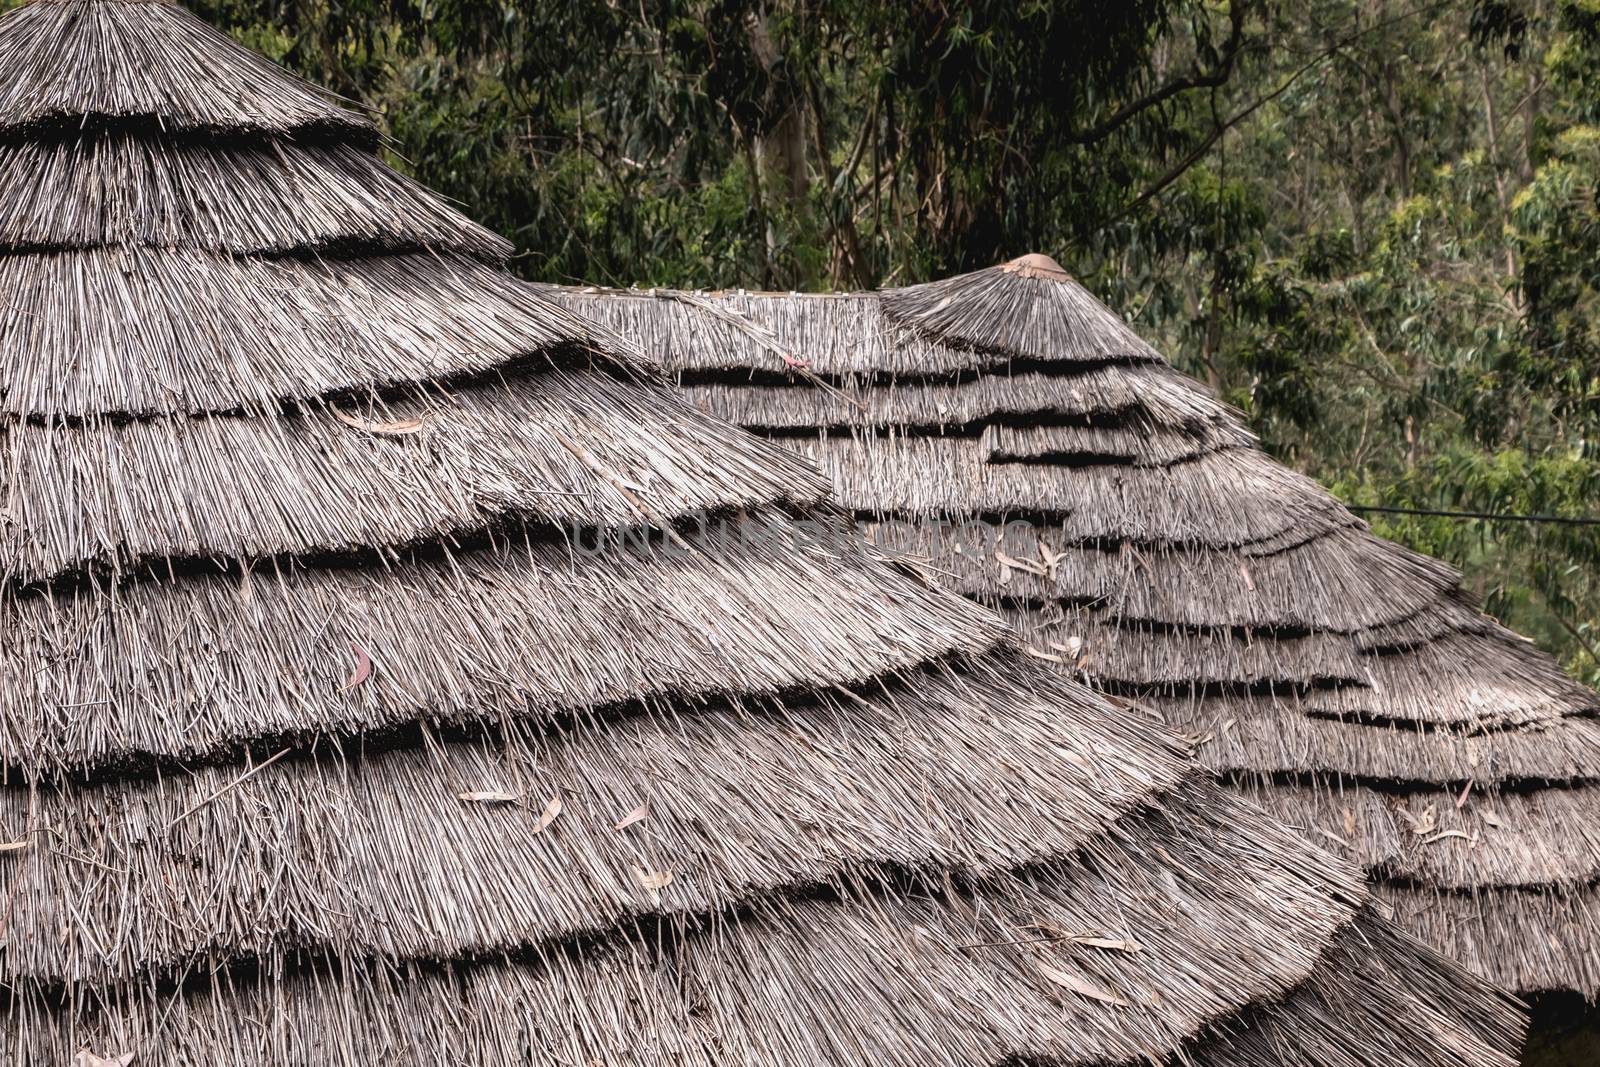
(1051, 559)
(489, 796)
(1019, 564)
(398, 428)
(1421, 825)
(363, 669)
(1115, 944)
(1072, 646)
(653, 881)
(1081, 987)
(636, 815)
(551, 812)
(1442, 834)
(13, 846)
(1491, 818)
(85, 1058)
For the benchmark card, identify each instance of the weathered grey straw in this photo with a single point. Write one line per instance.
(397, 672)
(1009, 437)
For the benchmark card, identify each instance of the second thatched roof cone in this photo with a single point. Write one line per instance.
(1137, 537)
(396, 672)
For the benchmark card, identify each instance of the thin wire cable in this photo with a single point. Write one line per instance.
(1555, 520)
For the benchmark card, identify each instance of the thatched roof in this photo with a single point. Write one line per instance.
(397, 672)
(1010, 437)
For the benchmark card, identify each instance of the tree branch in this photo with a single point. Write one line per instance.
(1237, 10)
(1222, 128)
(1572, 632)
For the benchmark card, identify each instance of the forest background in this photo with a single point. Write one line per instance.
(1369, 224)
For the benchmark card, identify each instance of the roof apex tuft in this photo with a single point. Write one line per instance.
(1036, 265)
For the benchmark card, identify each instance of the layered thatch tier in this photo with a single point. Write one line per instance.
(396, 671)
(77, 341)
(116, 188)
(1004, 434)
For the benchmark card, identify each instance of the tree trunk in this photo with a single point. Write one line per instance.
(780, 143)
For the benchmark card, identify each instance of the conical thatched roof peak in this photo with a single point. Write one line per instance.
(396, 671)
(67, 66)
(1133, 532)
(1029, 309)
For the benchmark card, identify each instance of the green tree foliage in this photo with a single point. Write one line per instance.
(784, 143)
(1371, 224)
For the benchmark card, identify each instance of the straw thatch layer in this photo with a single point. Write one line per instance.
(1235, 654)
(1420, 686)
(1133, 656)
(1312, 1027)
(1180, 504)
(135, 331)
(1454, 839)
(1532, 940)
(1280, 735)
(257, 198)
(1137, 540)
(1003, 779)
(795, 1006)
(1284, 588)
(69, 63)
(1115, 394)
(195, 665)
(571, 448)
(1134, 442)
(1435, 684)
(835, 335)
(393, 673)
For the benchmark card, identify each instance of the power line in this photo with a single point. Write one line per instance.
(1554, 520)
